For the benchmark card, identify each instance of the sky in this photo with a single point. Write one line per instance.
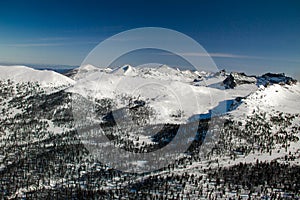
(250, 36)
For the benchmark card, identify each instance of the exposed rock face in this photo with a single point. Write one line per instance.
(272, 78)
(236, 78)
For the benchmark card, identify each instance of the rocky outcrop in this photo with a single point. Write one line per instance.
(236, 78)
(272, 78)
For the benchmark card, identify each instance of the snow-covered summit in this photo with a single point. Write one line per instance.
(126, 70)
(45, 78)
(84, 71)
(160, 72)
(270, 99)
(166, 69)
(88, 67)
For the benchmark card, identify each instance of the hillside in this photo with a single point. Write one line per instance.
(25, 74)
(243, 141)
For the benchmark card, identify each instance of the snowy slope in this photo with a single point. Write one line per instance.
(161, 72)
(25, 74)
(167, 73)
(84, 71)
(165, 89)
(125, 70)
(274, 100)
(271, 99)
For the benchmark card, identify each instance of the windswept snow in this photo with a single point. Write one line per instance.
(274, 98)
(125, 70)
(166, 90)
(84, 71)
(38, 127)
(25, 74)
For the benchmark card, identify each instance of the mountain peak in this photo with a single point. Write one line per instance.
(273, 78)
(124, 70)
(27, 74)
(88, 67)
(236, 78)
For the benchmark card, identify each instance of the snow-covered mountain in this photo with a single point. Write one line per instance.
(235, 79)
(254, 152)
(84, 71)
(271, 99)
(165, 89)
(168, 90)
(161, 72)
(125, 70)
(26, 74)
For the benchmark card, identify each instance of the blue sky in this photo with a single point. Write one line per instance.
(250, 36)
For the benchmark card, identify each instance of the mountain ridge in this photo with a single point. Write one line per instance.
(246, 142)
